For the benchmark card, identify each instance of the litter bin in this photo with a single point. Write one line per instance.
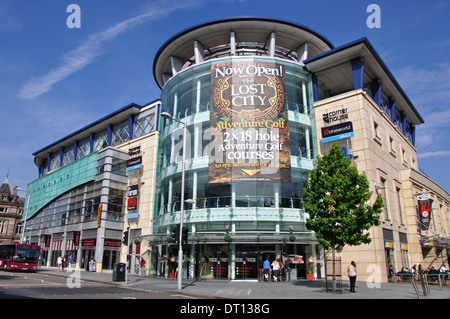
(119, 272)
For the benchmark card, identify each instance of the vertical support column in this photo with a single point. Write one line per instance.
(271, 44)
(191, 257)
(376, 91)
(101, 230)
(175, 105)
(314, 256)
(276, 193)
(233, 195)
(110, 130)
(305, 98)
(315, 88)
(75, 150)
(198, 96)
(169, 196)
(391, 102)
(131, 126)
(358, 73)
(232, 43)
(322, 257)
(194, 189)
(61, 157)
(198, 52)
(308, 144)
(232, 262)
(176, 65)
(91, 142)
(302, 53)
(403, 119)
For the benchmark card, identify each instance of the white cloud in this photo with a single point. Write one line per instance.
(426, 87)
(434, 154)
(86, 53)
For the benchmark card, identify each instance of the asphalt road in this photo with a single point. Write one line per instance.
(18, 285)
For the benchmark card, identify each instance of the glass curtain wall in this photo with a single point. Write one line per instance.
(187, 97)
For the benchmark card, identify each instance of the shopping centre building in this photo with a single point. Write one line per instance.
(248, 105)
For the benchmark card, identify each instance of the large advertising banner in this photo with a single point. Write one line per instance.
(424, 203)
(249, 123)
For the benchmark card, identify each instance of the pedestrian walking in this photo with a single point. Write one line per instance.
(70, 262)
(142, 267)
(351, 270)
(63, 262)
(59, 262)
(275, 270)
(266, 269)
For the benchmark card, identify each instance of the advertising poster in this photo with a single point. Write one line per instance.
(424, 203)
(249, 122)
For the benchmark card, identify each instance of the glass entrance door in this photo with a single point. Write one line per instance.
(246, 266)
(219, 268)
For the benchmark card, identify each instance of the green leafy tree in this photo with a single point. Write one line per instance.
(336, 200)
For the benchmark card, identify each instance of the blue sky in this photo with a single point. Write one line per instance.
(55, 80)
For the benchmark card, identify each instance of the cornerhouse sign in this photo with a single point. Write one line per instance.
(337, 132)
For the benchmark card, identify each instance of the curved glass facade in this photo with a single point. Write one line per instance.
(249, 208)
(187, 97)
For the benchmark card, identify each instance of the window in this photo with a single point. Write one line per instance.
(68, 155)
(144, 126)
(384, 105)
(398, 121)
(399, 205)
(120, 134)
(18, 229)
(382, 190)
(2, 227)
(84, 147)
(3, 210)
(391, 146)
(376, 132)
(101, 141)
(404, 157)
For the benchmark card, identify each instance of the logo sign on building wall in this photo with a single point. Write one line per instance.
(132, 203)
(424, 203)
(76, 238)
(249, 122)
(134, 163)
(334, 116)
(132, 190)
(337, 132)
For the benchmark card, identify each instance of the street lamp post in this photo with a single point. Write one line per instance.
(180, 239)
(26, 215)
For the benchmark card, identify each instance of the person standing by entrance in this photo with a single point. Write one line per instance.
(351, 270)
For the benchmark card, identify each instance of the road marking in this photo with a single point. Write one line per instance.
(190, 297)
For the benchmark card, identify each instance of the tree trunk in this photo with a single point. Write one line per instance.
(334, 269)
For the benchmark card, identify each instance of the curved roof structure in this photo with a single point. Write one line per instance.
(236, 36)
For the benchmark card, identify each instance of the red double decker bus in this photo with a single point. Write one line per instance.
(19, 257)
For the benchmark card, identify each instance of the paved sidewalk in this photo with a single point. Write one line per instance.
(300, 289)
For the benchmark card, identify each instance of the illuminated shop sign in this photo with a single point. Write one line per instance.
(134, 163)
(132, 203)
(337, 132)
(76, 238)
(249, 122)
(88, 243)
